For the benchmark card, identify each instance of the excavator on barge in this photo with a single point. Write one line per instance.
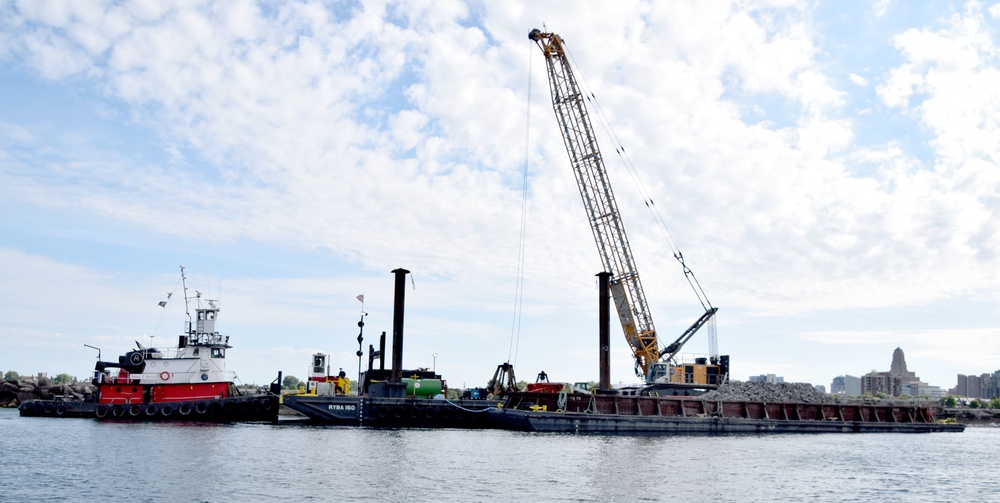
(661, 369)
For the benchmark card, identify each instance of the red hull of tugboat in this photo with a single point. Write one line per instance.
(113, 393)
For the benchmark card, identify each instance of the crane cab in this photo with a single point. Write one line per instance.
(703, 373)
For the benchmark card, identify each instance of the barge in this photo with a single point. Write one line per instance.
(656, 409)
(387, 398)
(617, 414)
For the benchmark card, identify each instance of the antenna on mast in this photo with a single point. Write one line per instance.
(186, 310)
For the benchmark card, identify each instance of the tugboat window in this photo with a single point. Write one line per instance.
(218, 353)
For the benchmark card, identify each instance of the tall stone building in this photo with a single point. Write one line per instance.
(898, 380)
(898, 368)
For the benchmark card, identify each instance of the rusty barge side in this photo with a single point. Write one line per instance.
(596, 413)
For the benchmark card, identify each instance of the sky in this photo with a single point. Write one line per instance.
(829, 170)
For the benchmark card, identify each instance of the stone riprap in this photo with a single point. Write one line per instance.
(14, 392)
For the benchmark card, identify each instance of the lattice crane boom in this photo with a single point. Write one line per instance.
(599, 201)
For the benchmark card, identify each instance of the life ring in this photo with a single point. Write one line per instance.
(167, 411)
(200, 408)
(184, 409)
(151, 410)
(102, 411)
(164, 375)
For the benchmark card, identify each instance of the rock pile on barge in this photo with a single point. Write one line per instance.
(769, 392)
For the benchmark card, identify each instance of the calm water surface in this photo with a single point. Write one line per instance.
(47, 459)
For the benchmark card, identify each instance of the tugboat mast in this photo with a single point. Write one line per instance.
(186, 310)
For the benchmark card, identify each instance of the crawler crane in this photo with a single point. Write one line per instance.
(660, 368)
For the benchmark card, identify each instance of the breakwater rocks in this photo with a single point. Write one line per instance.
(972, 416)
(14, 392)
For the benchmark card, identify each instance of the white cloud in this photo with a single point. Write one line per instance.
(881, 7)
(391, 134)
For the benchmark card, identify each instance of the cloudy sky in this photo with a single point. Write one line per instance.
(829, 169)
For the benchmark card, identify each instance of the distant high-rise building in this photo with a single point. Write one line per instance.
(820, 388)
(837, 386)
(973, 387)
(980, 386)
(992, 387)
(852, 385)
(846, 385)
(768, 378)
(880, 382)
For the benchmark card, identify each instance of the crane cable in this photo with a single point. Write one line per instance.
(647, 199)
(515, 329)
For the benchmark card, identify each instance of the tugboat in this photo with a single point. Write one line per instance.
(189, 382)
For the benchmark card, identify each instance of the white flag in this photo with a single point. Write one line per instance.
(361, 298)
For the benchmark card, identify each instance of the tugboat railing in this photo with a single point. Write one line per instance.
(227, 376)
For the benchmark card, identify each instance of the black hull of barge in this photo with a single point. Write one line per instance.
(388, 412)
(253, 408)
(604, 424)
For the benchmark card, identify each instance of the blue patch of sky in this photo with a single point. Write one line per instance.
(770, 109)
(852, 40)
(110, 244)
(855, 41)
(71, 124)
(71, 107)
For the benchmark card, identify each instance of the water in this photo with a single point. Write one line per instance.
(48, 459)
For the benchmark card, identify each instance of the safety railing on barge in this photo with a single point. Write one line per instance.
(695, 407)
